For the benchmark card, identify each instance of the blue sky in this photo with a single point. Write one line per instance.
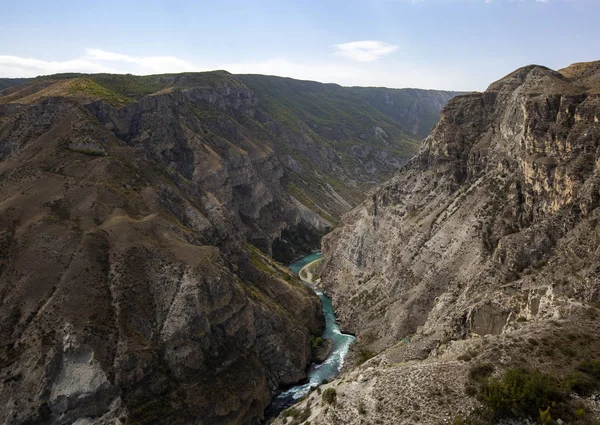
(443, 44)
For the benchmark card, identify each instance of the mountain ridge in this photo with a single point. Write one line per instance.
(331, 145)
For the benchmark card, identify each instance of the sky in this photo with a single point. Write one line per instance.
(434, 44)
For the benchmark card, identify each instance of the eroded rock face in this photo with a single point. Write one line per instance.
(506, 181)
(477, 245)
(128, 294)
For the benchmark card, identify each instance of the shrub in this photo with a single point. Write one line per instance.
(291, 412)
(520, 392)
(591, 367)
(586, 379)
(364, 355)
(581, 383)
(464, 357)
(329, 396)
(316, 341)
(305, 414)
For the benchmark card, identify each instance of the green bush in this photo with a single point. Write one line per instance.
(591, 367)
(329, 396)
(364, 355)
(290, 412)
(464, 358)
(316, 341)
(520, 393)
(586, 379)
(581, 383)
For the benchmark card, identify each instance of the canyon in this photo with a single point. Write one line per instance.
(140, 221)
(145, 222)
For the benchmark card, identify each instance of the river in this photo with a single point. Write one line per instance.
(331, 367)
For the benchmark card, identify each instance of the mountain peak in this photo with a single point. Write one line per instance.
(532, 78)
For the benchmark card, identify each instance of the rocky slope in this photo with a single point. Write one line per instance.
(137, 216)
(318, 147)
(484, 248)
(9, 82)
(128, 295)
(417, 111)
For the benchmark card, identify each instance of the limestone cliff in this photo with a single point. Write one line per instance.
(483, 244)
(128, 294)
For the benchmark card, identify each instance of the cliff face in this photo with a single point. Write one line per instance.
(417, 111)
(128, 294)
(481, 241)
(506, 175)
(283, 155)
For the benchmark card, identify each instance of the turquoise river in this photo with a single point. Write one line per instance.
(332, 366)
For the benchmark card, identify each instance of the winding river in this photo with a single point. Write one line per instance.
(332, 366)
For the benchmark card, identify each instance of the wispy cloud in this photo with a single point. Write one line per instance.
(360, 73)
(158, 64)
(364, 51)
(16, 66)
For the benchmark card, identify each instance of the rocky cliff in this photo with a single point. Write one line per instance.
(128, 295)
(482, 250)
(312, 149)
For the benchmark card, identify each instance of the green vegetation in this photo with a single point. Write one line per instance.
(585, 380)
(9, 82)
(134, 87)
(520, 393)
(364, 354)
(258, 260)
(316, 341)
(329, 396)
(298, 416)
(89, 88)
(90, 152)
(480, 372)
(527, 393)
(327, 130)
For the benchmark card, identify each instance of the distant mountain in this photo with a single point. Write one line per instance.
(9, 82)
(414, 110)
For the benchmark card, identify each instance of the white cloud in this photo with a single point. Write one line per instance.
(157, 64)
(364, 51)
(464, 76)
(16, 66)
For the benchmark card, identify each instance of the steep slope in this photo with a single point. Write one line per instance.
(482, 246)
(9, 82)
(317, 148)
(129, 294)
(417, 111)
